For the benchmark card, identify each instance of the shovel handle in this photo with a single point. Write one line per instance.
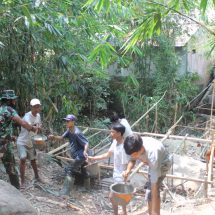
(135, 170)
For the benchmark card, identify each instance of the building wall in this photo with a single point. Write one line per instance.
(198, 63)
(197, 56)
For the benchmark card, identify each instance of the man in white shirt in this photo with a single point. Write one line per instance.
(25, 146)
(122, 120)
(120, 159)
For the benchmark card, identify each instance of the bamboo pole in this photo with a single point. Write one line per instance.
(60, 204)
(176, 111)
(205, 187)
(194, 139)
(58, 148)
(102, 141)
(64, 158)
(206, 109)
(156, 119)
(145, 114)
(203, 91)
(210, 167)
(195, 128)
(177, 137)
(212, 104)
(167, 175)
(171, 129)
(94, 135)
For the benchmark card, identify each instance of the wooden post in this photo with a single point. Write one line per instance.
(156, 119)
(205, 187)
(175, 116)
(210, 170)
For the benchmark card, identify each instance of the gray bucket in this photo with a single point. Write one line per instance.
(122, 193)
(39, 141)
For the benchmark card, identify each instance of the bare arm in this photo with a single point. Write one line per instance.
(130, 166)
(85, 150)
(24, 124)
(101, 157)
(55, 137)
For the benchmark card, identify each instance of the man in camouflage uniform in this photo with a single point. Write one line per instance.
(8, 115)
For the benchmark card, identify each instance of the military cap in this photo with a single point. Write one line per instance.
(8, 94)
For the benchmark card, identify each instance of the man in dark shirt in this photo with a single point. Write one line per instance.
(78, 149)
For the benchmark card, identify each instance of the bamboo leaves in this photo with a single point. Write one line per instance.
(103, 53)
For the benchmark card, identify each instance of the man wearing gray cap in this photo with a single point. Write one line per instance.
(8, 115)
(25, 146)
(78, 149)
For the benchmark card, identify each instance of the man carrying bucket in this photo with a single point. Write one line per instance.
(25, 146)
(8, 115)
(120, 161)
(152, 153)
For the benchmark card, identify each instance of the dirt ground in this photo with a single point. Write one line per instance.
(95, 200)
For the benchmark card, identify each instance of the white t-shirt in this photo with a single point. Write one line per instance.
(157, 157)
(128, 130)
(121, 160)
(24, 137)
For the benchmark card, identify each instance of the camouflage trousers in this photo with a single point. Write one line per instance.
(8, 160)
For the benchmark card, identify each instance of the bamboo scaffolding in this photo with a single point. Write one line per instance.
(206, 109)
(195, 128)
(203, 91)
(210, 166)
(194, 139)
(58, 148)
(177, 137)
(136, 122)
(167, 175)
(164, 138)
(145, 114)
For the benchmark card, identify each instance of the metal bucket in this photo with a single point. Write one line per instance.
(122, 193)
(39, 141)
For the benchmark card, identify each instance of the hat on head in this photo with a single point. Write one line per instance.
(70, 117)
(34, 102)
(8, 94)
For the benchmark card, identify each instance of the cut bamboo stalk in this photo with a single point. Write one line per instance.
(156, 119)
(176, 112)
(210, 166)
(167, 175)
(205, 187)
(58, 148)
(183, 178)
(145, 114)
(61, 204)
(194, 139)
(171, 130)
(64, 158)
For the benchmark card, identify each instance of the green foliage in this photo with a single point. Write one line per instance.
(186, 88)
(45, 51)
(154, 76)
(59, 51)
